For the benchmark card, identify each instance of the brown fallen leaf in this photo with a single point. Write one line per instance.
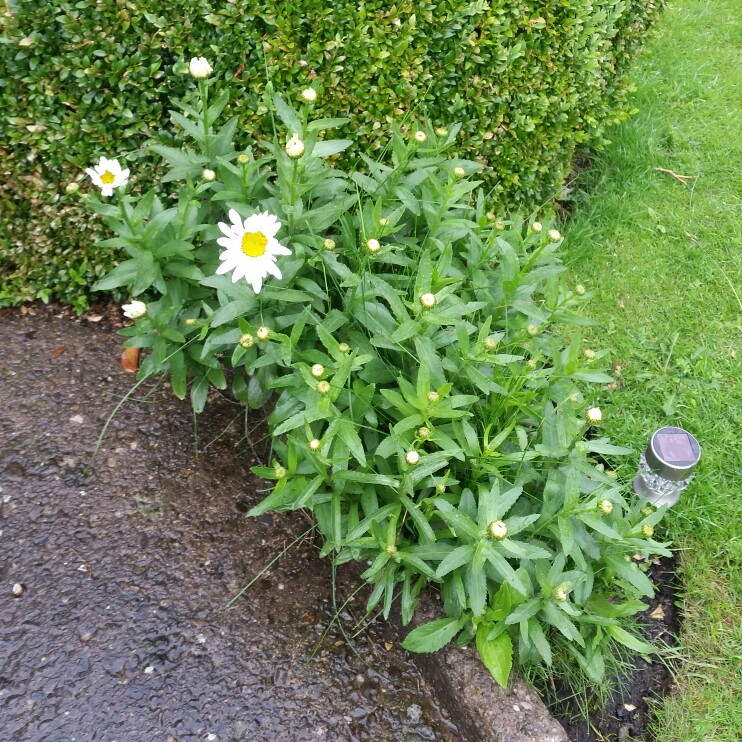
(388, 646)
(130, 359)
(629, 707)
(93, 317)
(58, 351)
(658, 614)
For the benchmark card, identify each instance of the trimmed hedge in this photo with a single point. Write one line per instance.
(528, 79)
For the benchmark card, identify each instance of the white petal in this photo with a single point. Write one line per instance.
(273, 269)
(225, 267)
(256, 283)
(226, 229)
(278, 249)
(236, 219)
(106, 191)
(224, 241)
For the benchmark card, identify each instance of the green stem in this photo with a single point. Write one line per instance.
(204, 89)
(125, 215)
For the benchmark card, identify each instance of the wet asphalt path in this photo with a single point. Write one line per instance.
(121, 631)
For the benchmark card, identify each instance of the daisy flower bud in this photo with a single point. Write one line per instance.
(72, 188)
(500, 224)
(421, 137)
(580, 289)
(574, 398)
(605, 507)
(323, 387)
(594, 415)
(391, 549)
(199, 68)
(560, 594)
(647, 511)
(532, 329)
(190, 321)
(490, 343)
(329, 244)
(412, 457)
(280, 472)
(554, 235)
(317, 370)
(612, 474)
(537, 227)
(498, 530)
(373, 246)
(433, 396)
(263, 333)
(343, 347)
(648, 530)
(309, 95)
(294, 147)
(440, 488)
(247, 341)
(441, 131)
(314, 445)
(428, 300)
(531, 363)
(423, 432)
(589, 354)
(243, 159)
(208, 175)
(135, 310)
(459, 172)
(384, 222)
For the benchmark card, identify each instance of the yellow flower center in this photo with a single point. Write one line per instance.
(107, 178)
(253, 244)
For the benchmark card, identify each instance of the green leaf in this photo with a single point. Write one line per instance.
(431, 637)
(330, 147)
(287, 115)
(347, 432)
(629, 640)
(496, 654)
(537, 636)
(460, 556)
(426, 533)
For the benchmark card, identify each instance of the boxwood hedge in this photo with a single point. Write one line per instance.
(528, 79)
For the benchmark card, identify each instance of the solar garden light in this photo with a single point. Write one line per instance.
(666, 466)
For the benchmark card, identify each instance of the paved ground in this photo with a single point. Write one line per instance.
(121, 631)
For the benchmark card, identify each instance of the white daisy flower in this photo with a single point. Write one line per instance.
(309, 95)
(107, 175)
(251, 248)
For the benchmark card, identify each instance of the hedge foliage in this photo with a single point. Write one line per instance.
(528, 80)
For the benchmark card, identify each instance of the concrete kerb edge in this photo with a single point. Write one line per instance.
(480, 708)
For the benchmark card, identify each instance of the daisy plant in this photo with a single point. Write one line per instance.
(424, 366)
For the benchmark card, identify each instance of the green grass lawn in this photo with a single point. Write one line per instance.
(663, 262)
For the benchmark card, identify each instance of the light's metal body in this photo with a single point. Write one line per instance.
(666, 466)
